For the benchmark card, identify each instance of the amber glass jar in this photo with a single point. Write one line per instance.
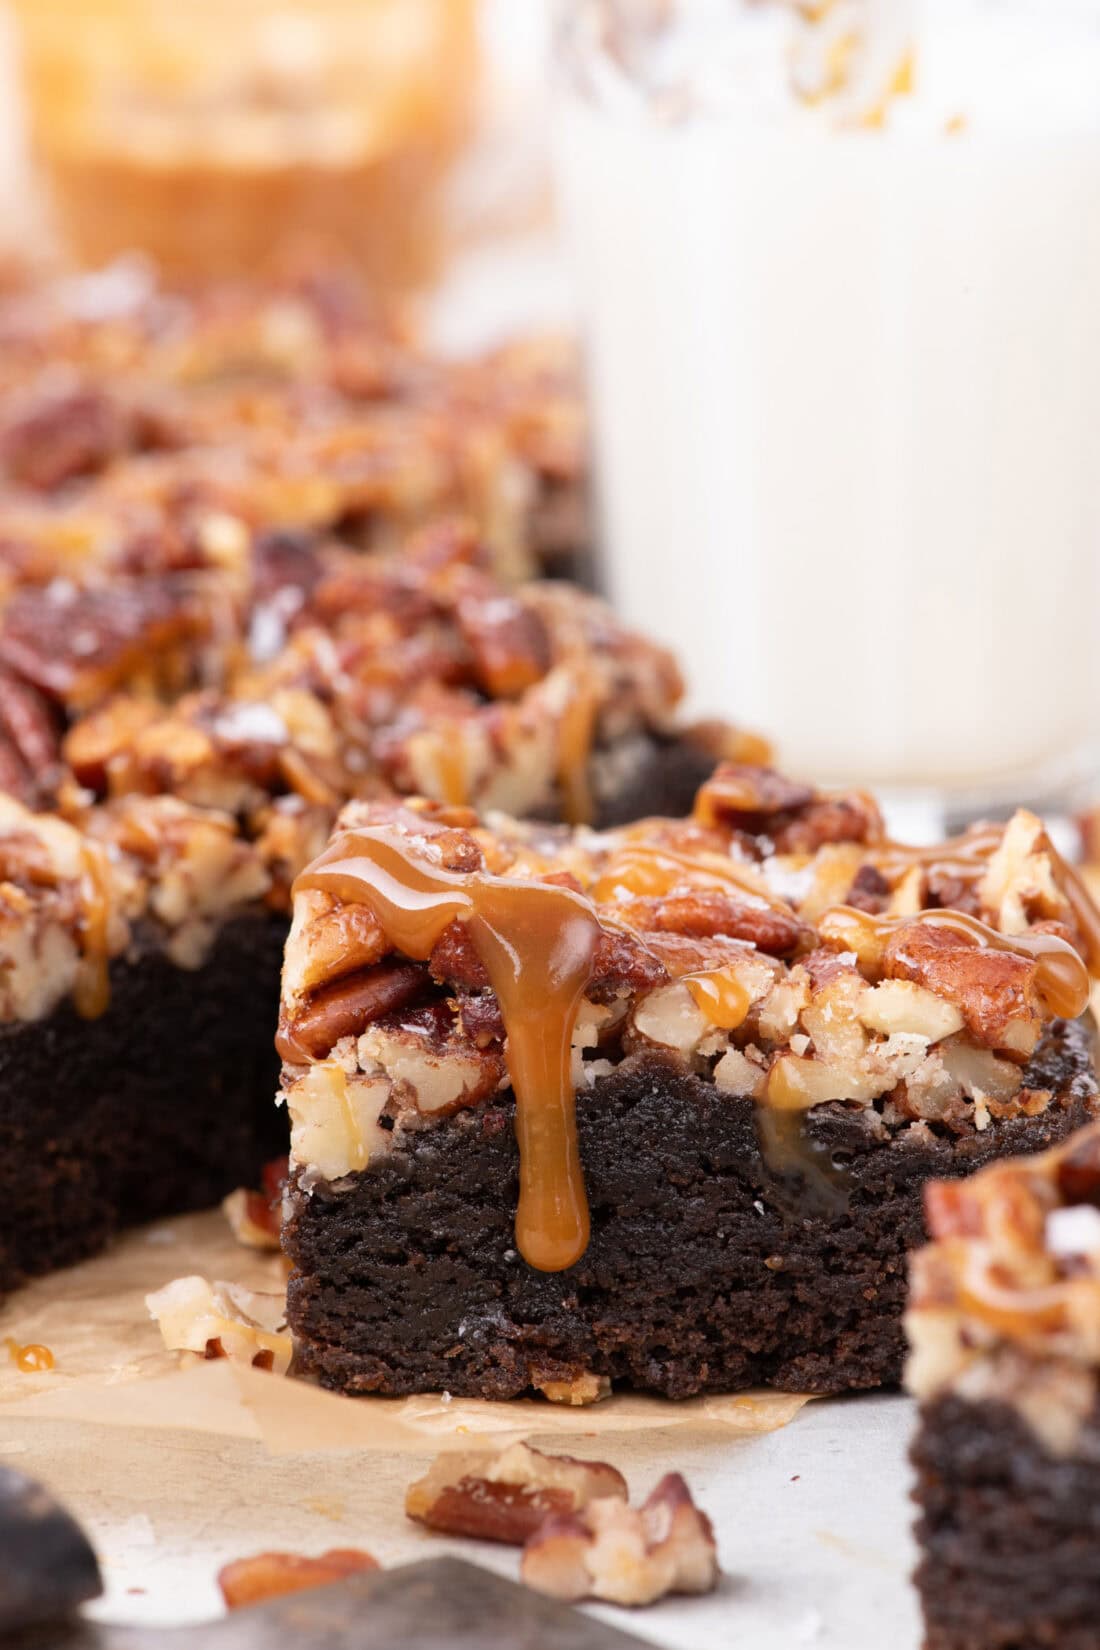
(216, 132)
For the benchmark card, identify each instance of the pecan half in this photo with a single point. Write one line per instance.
(995, 991)
(271, 1575)
(77, 645)
(29, 746)
(347, 1006)
(505, 1495)
(705, 912)
(626, 1555)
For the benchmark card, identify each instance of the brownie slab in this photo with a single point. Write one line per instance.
(160, 1105)
(1009, 1531)
(656, 1105)
(705, 1271)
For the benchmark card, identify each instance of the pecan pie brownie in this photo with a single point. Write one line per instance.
(174, 746)
(1004, 1330)
(656, 1104)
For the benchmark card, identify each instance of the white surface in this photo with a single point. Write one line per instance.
(847, 384)
(812, 1521)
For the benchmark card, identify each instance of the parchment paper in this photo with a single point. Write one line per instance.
(110, 1368)
(176, 1470)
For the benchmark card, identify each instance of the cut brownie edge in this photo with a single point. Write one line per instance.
(705, 1272)
(1009, 1532)
(161, 1105)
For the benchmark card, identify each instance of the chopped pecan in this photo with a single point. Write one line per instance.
(345, 1007)
(66, 435)
(254, 1216)
(852, 818)
(504, 1495)
(951, 1209)
(271, 1575)
(738, 792)
(994, 990)
(869, 892)
(508, 642)
(624, 1554)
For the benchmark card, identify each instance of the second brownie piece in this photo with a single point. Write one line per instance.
(763, 1078)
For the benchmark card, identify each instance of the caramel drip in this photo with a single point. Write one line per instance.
(537, 943)
(1083, 906)
(720, 996)
(92, 992)
(1061, 980)
(646, 871)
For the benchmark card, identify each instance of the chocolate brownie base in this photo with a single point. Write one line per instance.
(650, 776)
(1009, 1533)
(706, 1271)
(162, 1104)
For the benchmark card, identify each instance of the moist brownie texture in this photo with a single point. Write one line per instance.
(770, 1029)
(1004, 1326)
(705, 1271)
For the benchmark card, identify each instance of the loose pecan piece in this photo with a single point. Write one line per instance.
(504, 1495)
(626, 1555)
(271, 1575)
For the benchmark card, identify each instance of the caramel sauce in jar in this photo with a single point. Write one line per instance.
(537, 942)
(1062, 980)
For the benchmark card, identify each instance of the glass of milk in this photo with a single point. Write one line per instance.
(839, 265)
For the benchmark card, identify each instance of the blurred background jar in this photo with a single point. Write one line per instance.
(838, 264)
(213, 133)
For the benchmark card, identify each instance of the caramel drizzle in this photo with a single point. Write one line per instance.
(649, 871)
(967, 858)
(1061, 978)
(537, 943)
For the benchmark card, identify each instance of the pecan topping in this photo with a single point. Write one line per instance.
(505, 1495)
(271, 1575)
(77, 645)
(345, 1007)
